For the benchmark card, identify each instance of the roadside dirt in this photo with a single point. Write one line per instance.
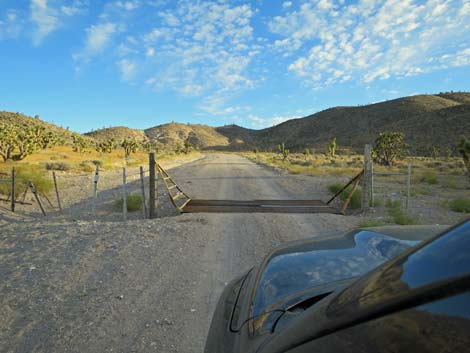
(71, 283)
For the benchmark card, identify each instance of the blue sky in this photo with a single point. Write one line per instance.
(89, 64)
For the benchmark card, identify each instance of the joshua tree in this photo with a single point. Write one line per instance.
(464, 149)
(129, 146)
(149, 146)
(106, 146)
(436, 152)
(284, 152)
(388, 147)
(7, 140)
(332, 148)
(78, 143)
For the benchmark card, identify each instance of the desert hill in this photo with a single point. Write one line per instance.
(172, 134)
(426, 120)
(21, 119)
(118, 133)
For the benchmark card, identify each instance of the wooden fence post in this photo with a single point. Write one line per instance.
(13, 189)
(95, 187)
(38, 200)
(56, 190)
(372, 197)
(151, 185)
(142, 189)
(408, 186)
(367, 177)
(124, 195)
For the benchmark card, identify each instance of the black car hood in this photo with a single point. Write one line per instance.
(315, 266)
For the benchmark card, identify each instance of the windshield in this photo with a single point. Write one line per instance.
(291, 272)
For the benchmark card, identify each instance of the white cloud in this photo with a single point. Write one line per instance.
(127, 68)
(74, 8)
(371, 40)
(191, 90)
(47, 16)
(11, 25)
(97, 38)
(44, 18)
(150, 52)
(127, 5)
(216, 105)
(286, 4)
(170, 19)
(203, 44)
(258, 122)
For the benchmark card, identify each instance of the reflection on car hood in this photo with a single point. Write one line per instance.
(297, 268)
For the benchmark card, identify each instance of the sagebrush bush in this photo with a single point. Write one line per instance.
(356, 197)
(134, 202)
(26, 173)
(87, 167)
(399, 216)
(367, 223)
(57, 166)
(460, 204)
(429, 177)
(98, 163)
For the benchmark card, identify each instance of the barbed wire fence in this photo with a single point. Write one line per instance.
(104, 195)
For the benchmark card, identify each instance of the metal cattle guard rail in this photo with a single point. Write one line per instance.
(239, 206)
(170, 185)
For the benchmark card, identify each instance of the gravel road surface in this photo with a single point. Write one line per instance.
(145, 285)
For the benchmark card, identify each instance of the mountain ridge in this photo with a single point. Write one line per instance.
(426, 120)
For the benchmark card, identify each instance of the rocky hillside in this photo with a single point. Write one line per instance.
(21, 119)
(118, 133)
(426, 120)
(172, 134)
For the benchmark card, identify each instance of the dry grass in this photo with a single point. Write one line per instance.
(37, 167)
(313, 164)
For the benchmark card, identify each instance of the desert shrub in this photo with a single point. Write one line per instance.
(399, 216)
(25, 173)
(98, 163)
(429, 177)
(392, 203)
(367, 223)
(356, 197)
(134, 202)
(87, 167)
(452, 183)
(420, 190)
(57, 166)
(378, 202)
(460, 204)
(464, 149)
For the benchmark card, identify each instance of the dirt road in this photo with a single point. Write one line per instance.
(145, 285)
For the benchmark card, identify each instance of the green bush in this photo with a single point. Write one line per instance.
(429, 177)
(367, 223)
(57, 166)
(134, 202)
(460, 204)
(356, 197)
(41, 180)
(98, 163)
(399, 216)
(87, 167)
